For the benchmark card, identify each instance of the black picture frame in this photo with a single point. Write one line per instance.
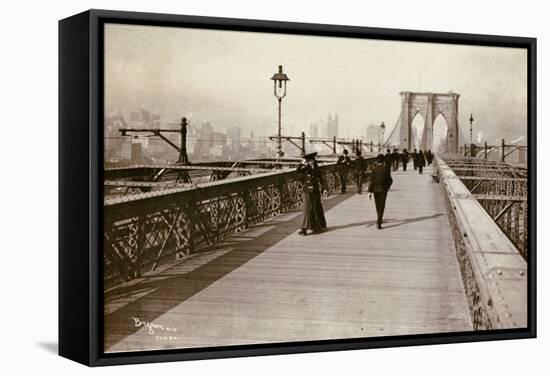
(80, 182)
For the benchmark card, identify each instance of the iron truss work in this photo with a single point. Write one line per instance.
(128, 180)
(502, 191)
(146, 230)
(145, 178)
(504, 150)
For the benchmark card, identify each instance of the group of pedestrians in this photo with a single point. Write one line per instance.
(379, 183)
(419, 158)
(345, 165)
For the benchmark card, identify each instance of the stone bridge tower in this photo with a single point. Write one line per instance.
(429, 105)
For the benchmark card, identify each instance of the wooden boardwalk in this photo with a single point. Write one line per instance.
(270, 284)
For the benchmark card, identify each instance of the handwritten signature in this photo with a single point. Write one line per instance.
(151, 327)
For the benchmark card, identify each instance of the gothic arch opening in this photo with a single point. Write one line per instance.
(440, 129)
(417, 128)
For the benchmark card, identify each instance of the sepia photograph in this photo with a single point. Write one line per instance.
(269, 188)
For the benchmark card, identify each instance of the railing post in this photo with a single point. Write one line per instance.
(303, 144)
(502, 156)
(371, 146)
(485, 148)
(334, 144)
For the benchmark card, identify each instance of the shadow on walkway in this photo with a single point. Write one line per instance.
(355, 224)
(387, 223)
(166, 290)
(411, 220)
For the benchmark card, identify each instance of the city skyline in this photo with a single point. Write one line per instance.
(177, 72)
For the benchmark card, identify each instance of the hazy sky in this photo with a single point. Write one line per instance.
(224, 77)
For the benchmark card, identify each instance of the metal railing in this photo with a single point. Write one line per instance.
(501, 189)
(493, 272)
(146, 230)
(497, 152)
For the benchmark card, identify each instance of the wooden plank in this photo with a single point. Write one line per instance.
(272, 285)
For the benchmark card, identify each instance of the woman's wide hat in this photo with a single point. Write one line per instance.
(310, 155)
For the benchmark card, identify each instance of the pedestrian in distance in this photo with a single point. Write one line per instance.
(314, 186)
(420, 161)
(360, 170)
(388, 160)
(343, 165)
(379, 185)
(405, 159)
(396, 159)
(429, 157)
(414, 158)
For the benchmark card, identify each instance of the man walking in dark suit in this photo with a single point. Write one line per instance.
(379, 184)
(343, 163)
(405, 159)
(388, 160)
(396, 158)
(360, 167)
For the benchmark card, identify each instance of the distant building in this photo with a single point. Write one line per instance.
(233, 133)
(112, 139)
(125, 151)
(332, 126)
(135, 155)
(206, 133)
(216, 151)
(145, 118)
(218, 139)
(313, 130)
(234, 138)
(204, 141)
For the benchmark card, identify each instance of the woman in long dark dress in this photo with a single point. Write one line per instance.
(312, 210)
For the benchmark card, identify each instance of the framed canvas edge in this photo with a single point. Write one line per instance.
(96, 355)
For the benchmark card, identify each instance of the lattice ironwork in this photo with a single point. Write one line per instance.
(478, 312)
(146, 230)
(502, 190)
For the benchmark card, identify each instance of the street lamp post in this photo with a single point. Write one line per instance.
(183, 159)
(279, 90)
(382, 130)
